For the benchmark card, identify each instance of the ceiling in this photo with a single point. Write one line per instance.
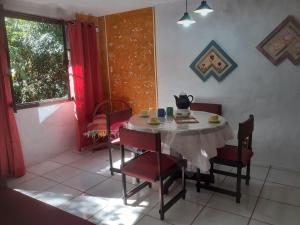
(94, 7)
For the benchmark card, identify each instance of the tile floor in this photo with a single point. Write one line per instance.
(80, 183)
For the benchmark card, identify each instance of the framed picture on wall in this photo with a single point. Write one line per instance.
(283, 43)
(213, 61)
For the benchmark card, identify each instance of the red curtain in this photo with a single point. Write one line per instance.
(11, 156)
(88, 89)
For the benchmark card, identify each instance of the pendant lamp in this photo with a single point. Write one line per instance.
(204, 9)
(186, 20)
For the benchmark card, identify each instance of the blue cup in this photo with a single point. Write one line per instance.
(161, 112)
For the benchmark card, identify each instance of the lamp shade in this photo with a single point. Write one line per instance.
(186, 20)
(204, 9)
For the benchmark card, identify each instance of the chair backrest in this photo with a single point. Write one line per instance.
(113, 105)
(119, 116)
(245, 132)
(140, 140)
(207, 107)
(115, 119)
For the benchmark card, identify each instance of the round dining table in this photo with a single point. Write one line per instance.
(197, 141)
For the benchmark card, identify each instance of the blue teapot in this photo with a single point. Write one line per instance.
(183, 101)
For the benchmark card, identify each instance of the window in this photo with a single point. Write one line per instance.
(37, 55)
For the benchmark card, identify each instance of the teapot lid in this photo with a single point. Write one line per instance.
(182, 93)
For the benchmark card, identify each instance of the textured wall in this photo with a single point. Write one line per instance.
(270, 92)
(131, 57)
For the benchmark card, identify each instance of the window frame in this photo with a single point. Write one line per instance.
(42, 19)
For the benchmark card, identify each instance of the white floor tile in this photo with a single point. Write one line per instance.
(63, 173)
(93, 165)
(192, 195)
(57, 195)
(44, 167)
(258, 172)
(223, 167)
(118, 176)
(108, 189)
(215, 217)
(84, 181)
(228, 204)
(147, 220)
(35, 186)
(253, 189)
(84, 206)
(281, 193)
(276, 213)
(182, 212)
(284, 177)
(14, 182)
(100, 154)
(255, 222)
(219, 179)
(67, 157)
(117, 214)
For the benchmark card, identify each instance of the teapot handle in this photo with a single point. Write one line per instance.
(192, 98)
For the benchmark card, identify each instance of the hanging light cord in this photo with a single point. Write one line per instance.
(185, 5)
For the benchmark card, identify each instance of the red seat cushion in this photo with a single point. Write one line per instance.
(229, 153)
(114, 128)
(145, 166)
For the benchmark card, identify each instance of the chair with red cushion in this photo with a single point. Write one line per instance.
(207, 107)
(236, 156)
(108, 117)
(99, 122)
(115, 121)
(151, 166)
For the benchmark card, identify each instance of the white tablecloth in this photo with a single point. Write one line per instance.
(197, 142)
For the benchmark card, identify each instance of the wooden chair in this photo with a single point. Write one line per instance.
(100, 119)
(211, 108)
(236, 156)
(151, 166)
(207, 107)
(115, 120)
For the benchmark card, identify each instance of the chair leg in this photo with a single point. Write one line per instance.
(211, 173)
(110, 160)
(161, 199)
(124, 188)
(238, 184)
(198, 180)
(248, 174)
(183, 182)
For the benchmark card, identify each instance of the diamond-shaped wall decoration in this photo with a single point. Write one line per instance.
(283, 43)
(213, 61)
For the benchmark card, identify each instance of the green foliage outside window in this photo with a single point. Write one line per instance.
(36, 53)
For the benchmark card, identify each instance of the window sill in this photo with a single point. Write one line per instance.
(43, 103)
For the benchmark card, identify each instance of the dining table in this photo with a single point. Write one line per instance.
(195, 140)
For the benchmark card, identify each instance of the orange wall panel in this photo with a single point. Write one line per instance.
(131, 58)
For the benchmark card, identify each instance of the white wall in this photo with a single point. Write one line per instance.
(270, 92)
(46, 131)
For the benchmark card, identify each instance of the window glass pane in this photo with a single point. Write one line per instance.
(36, 51)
